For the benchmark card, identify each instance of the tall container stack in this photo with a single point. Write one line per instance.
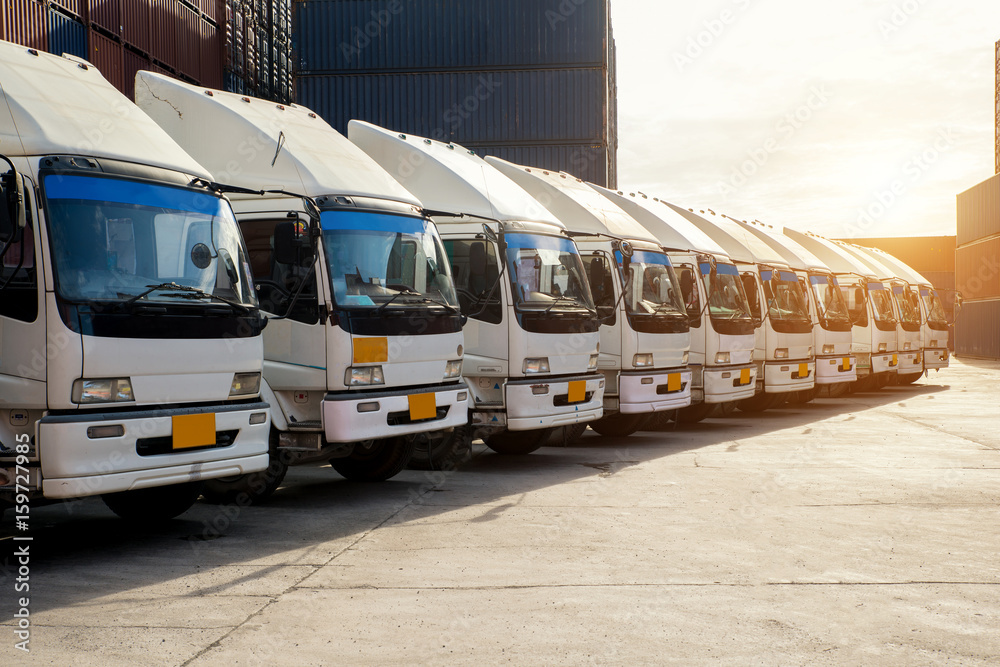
(977, 266)
(258, 45)
(530, 81)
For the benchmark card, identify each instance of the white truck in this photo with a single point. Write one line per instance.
(784, 351)
(369, 357)
(906, 307)
(645, 336)
(131, 337)
(532, 337)
(933, 317)
(722, 328)
(836, 367)
(869, 304)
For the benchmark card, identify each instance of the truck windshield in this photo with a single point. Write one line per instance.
(937, 318)
(830, 301)
(546, 273)
(727, 299)
(785, 298)
(881, 302)
(653, 288)
(857, 305)
(906, 301)
(383, 259)
(116, 239)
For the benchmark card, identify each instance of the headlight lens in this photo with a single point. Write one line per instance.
(245, 384)
(829, 349)
(361, 376)
(113, 390)
(592, 362)
(934, 343)
(722, 357)
(686, 358)
(882, 347)
(781, 353)
(906, 346)
(642, 360)
(453, 369)
(532, 366)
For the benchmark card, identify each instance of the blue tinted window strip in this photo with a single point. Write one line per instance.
(90, 188)
(371, 222)
(875, 286)
(819, 280)
(540, 241)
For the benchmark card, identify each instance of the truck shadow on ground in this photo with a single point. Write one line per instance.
(317, 514)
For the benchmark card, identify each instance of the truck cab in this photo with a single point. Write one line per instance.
(363, 354)
(721, 326)
(131, 337)
(645, 339)
(532, 336)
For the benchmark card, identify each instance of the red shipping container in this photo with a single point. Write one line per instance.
(189, 42)
(210, 8)
(134, 62)
(211, 55)
(74, 7)
(106, 55)
(163, 35)
(136, 16)
(105, 14)
(25, 22)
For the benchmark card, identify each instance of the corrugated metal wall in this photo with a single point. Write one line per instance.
(978, 270)
(978, 330)
(978, 274)
(531, 81)
(979, 211)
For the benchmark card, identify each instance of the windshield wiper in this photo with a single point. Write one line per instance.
(189, 292)
(406, 291)
(569, 299)
(399, 293)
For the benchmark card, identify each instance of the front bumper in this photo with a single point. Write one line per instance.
(655, 391)
(74, 464)
(729, 383)
(911, 362)
(784, 376)
(544, 402)
(835, 370)
(936, 358)
(373, 415)
(885, 362)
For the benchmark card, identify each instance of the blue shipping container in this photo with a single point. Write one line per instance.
(514, 107)
(977, 330)
(66, 35)
(415, 35)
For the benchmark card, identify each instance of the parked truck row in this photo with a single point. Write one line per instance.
(201, 289)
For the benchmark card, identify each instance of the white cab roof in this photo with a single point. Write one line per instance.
(902, 269)
(580, 208)
(53, 105)
(238, 141)
(672, 230)
(448, 177)
(835, 257)
(734, 238)
(882, 271)
(794, 254)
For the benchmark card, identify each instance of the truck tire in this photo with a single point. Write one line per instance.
(693, 414)
(802, 397)
(160, 503)
(447, 452)
(518, 443)
(376, 462)
(568, 435)
(253, 487)
(619, 425)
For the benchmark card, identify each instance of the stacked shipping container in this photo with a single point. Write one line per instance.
(188, 39)
(530, 81)
(978, 270)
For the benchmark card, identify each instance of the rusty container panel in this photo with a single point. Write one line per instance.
(979, 211)
(211, 55)
(74, 7)
(133, 62)
(978, 273)
(25, 22)
(136, 28)
(105, 14)
(210, 8)
(977, 330)
(163, 39)
(188, 38)
(106, 55)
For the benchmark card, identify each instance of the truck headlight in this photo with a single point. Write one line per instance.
(906, 346)
(933, 343)
(829, 349)
(722, 357)
(592, 362)
(534, 366)
(781, 353)
(362, 376)
(882, 347)
(111, 390)
(453, 369)
(642, 360)
(685, 358)
(245, 384)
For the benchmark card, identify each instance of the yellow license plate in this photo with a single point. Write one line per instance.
(674, 382)
(847, 364)
(193, 430)
(371, 350)
(803, 370)
(895, 360)
(745, 376)
(577, 391)
(422, 406)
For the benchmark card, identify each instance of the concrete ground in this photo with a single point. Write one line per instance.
(858, 530)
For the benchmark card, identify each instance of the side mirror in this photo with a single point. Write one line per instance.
(13, 212)
(957, 308)
(289, 244)
(490, 234)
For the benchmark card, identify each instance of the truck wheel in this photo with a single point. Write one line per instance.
(253, 487)
(446, 452)
(908, 378)
(619, 425)
(724, 409)
(160, 503)
(568, 435)
(802, 397)
(693, 414)
(376, 460)
(517, 443)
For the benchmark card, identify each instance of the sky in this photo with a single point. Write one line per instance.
(848, 118)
